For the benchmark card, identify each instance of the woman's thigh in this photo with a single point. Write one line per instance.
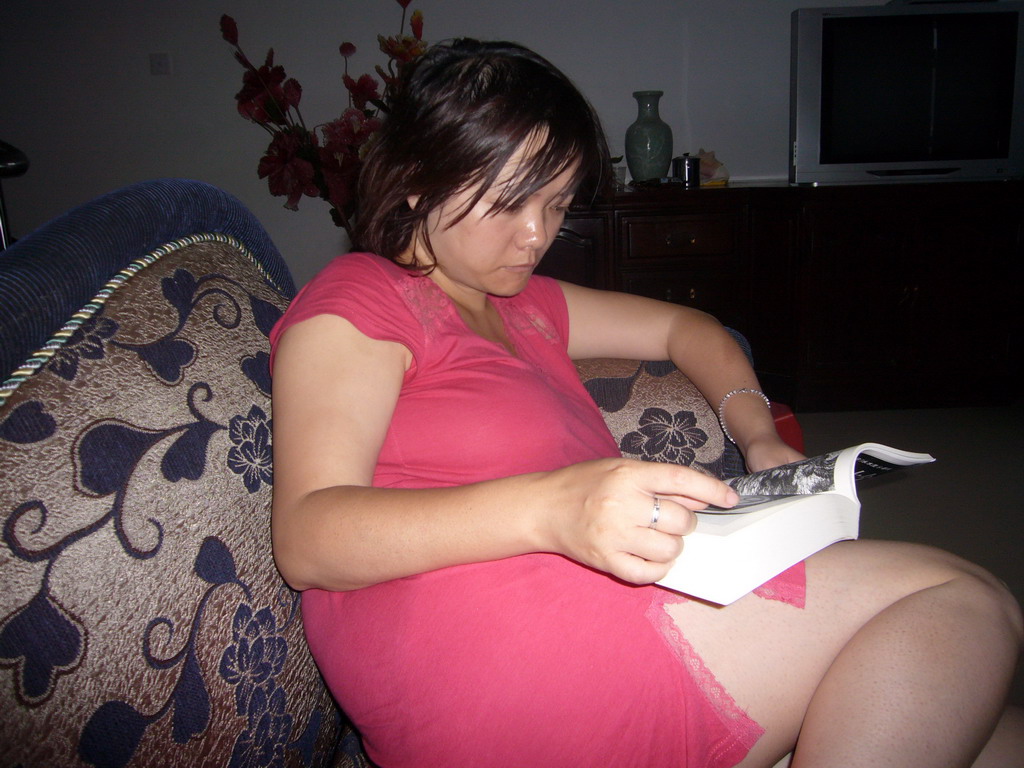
(770, 656)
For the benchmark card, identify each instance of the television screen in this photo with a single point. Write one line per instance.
(917, 87)
(907, 91)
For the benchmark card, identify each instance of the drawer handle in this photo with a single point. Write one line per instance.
(668, 294)
(685, 238)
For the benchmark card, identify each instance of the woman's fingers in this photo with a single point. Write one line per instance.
(656, 546)
(666, 515)
(629, 517)
(685, 487)
(636, 570)
(664, 519)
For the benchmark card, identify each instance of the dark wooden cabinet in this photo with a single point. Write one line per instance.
(884, 296)
(906, 294)
(687, 257)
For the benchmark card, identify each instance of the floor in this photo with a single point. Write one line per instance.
(970, 501)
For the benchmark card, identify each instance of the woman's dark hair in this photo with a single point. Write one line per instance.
(462, 111)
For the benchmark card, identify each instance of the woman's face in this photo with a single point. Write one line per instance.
(495, 253)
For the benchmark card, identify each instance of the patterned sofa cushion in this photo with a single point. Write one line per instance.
(657, 414)
(141, 619)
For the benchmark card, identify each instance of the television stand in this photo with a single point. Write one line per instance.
(853, 296)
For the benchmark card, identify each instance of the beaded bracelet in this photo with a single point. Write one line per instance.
(744, 391)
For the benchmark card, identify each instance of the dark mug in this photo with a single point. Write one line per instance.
(687, 169)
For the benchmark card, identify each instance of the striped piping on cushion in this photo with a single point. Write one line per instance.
(40, 357)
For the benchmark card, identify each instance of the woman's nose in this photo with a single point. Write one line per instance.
(531, 232)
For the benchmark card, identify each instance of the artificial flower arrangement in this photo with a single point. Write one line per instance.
(322, 161)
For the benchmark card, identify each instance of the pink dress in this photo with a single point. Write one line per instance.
(532, 660)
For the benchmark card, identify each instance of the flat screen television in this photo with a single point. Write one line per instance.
(907, 92)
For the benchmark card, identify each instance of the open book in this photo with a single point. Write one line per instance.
(785, 514)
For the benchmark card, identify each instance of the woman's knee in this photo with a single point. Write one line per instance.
(883, 572)
(980, 591)
(991, 594)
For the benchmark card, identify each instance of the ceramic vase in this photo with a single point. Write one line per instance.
(648, 139)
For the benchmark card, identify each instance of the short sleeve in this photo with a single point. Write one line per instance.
(548, 302)
(364, 289)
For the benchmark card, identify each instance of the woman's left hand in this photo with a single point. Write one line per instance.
(769, 451)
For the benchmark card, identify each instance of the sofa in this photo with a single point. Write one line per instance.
(142, 620)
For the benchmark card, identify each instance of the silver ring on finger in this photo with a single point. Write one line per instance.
(655, 514)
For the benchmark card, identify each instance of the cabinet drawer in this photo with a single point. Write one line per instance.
(672, 237)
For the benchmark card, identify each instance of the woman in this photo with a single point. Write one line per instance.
(477, 558)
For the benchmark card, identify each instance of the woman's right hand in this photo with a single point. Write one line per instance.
(603, 509)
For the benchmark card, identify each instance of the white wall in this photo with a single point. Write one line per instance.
(77, 96)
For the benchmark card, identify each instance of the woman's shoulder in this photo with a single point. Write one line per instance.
(359, 266)
(361, 287)
(542, 288)
(539, 308)
(544, 293)
(352, 277)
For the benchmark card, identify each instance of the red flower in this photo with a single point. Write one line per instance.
(402, 48)
(266, 95)
(349, 132)
(340, 158)
(229, 29)
(324, 162)
(362, 90)
(287, 172)
(292, 92)
(340, 176)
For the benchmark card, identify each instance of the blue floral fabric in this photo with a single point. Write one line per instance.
(142, 621)
(657, 414)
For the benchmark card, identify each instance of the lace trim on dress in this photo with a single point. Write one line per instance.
(788, 587)
(426, 300)
(743, 729)
(527, 319)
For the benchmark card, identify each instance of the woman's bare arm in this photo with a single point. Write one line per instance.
(332, 530)
(609, 324)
